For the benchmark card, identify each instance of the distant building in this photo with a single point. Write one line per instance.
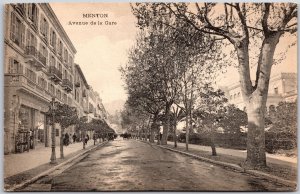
(282, 87)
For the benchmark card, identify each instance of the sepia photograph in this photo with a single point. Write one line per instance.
(150, 96)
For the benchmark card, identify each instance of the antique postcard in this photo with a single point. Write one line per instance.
(156, 96)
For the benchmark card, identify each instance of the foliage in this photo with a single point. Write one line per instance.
(100, 126)
(232, 119)
(239, 30)
(283, 131)
(64, 115)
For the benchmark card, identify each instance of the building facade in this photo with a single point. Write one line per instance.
(282, 87)
(39, 65)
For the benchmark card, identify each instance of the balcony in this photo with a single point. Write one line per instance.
(67, 85)
(77, 84)
(35, 58)
(55, 74)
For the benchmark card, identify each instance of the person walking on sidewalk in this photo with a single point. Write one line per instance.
(74, 138)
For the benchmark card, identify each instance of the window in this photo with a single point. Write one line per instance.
(66, 56)
(59, 67)
(42, 83)
(44, 27)
(33, 13)
(17, 31)
(60, 48)
(71, 62)
(65, 98)
(65, 74)
(276, 90)
(15, 67)
(44, 52)
(52, 61)
(51, 88)
(53, 38)
(31, 75)
(31, 39)
(56, 132)
(58, 94)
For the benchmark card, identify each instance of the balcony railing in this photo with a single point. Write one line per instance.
(31, 51)
(67, 84)
(55, 74)
(35, 57)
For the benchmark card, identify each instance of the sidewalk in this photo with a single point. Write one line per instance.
(285, 168)
(18, 163)
(272, 158)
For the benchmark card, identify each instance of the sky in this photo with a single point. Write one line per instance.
(102, 49)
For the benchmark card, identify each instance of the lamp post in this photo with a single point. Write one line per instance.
(53, 154)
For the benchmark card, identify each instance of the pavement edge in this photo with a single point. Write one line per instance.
(27, 182)
(233, 166)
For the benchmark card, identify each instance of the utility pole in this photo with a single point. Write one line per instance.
(53, 154)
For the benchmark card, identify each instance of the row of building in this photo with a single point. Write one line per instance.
(39, 65)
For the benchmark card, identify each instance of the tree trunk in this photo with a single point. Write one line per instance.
(256, 156)
(61, 143)
(175, 128)
(153, 128)
(187, 131)
(166, 125)
(83, 139)
(255, 97)
(212, 142)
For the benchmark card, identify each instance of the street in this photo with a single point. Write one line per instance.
(130, 165)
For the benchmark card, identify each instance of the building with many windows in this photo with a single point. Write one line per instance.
(282, 87)
(39, 65)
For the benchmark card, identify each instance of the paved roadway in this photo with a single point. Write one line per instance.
(130, 165)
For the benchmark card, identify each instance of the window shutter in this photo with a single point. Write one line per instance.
(27, 37)
(22, 36)
(29, 10)
(46, 29)
(37, 17)
(13, 27)
(42, 24)
(20, 68)
(10, 64)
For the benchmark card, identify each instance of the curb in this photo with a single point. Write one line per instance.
(27, 182)
(233, 166)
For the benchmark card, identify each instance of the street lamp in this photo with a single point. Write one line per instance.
(53, 154)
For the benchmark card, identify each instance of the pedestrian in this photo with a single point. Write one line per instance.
(86, 139)
(74, 138)
(66, 139)
(70, 138)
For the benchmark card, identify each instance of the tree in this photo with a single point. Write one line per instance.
(234, 24)
(142, 88)
(66, 116)
(82, 125)
(232, 118)
(209, 110)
